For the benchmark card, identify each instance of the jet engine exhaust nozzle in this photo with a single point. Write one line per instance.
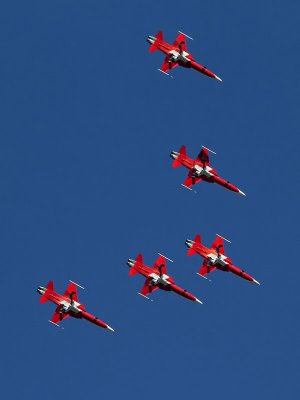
(151, 39)
(189, 243)
(130, 262)
(41, 290)
(174, 155)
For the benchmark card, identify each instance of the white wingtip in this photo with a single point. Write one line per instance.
(165, 257)
(219, 79)
(202, 276)
(77, 284)
(110, 328)
(241, 193)
(186, 186)
(255, 281)
(198, 301)
(227, 240)
(186, 35)
(209, 150)
(146, 297)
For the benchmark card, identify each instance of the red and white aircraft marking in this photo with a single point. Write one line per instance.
(215, 258)
(176, 54)
(67, 305)
(156, 277)
(200, 169)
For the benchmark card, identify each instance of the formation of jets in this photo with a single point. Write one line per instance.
(199, 170)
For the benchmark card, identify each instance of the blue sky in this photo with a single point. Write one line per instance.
(87, 125)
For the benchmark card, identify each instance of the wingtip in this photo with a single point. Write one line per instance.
(255, 281)
(241, 193)
(219, 79)
(198, 301)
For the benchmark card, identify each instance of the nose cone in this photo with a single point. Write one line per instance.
(151, 39)
(41, 290)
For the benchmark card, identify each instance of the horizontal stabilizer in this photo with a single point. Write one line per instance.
(197, 239)
(132, 271)
(153, 46)
(191, 252)
(176, 164)
(139, 259)
(43, 299)
(50, 285)
(182, 150)
(160, 36)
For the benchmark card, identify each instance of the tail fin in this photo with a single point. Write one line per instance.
(138, 259)
(182, 153)
(191, 250)
(44, 297)
(159, 37)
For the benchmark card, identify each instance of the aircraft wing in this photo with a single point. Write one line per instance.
(71, 291)
(58, 316)
(203, 157)
(180, 40)
(160, 265)
(191, 180)
(147, 288)
(218, 243)
(167, 65)
(206, 268)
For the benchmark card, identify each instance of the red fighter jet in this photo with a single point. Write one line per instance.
(67, 305)
(214, 258)
(200, 169)
(156, 277)
(176, 54)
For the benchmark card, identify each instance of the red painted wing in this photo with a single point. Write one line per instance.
(191, 180)
(71, 289)
(206, 268)
(167, 66)
(180, 40)
(58, 316)
(218, 243)
(160, 265)
(203, 157)
(147, 288)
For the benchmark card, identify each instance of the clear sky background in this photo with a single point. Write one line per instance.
(87, 125)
